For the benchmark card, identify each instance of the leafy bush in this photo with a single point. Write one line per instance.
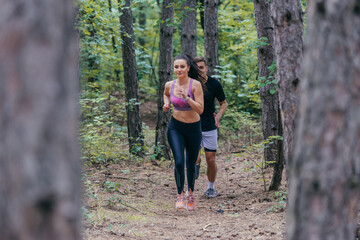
(103, 131)
(103, 137)
(240, 129)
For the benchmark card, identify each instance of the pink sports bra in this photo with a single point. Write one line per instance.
(181, 104)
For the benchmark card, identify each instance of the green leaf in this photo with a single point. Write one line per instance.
(272, 91)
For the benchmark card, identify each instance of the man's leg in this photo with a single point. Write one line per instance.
(198, 161)
(211, 173)
(211, 166)
(210, 146)
(197, 169)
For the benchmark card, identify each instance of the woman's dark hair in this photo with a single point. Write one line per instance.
(194, 71)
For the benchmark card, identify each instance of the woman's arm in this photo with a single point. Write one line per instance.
(166, 105)
(198, 103)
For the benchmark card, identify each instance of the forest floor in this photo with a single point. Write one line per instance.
(137, 201)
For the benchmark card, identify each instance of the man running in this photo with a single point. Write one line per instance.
(209, 124)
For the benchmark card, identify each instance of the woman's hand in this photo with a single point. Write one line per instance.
(180, 92)
(166, 107)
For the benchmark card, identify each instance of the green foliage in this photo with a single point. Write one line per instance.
(253, 164)
(241, 128)
(238, 43)
(102, 134)
(113, 200)
(271, 140)
(112, 186)
(280, 198)
(100, 45)
(270, 80)
(131, 104)
(101, 59)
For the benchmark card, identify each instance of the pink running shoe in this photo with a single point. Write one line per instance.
(180, 204)
(191, 202)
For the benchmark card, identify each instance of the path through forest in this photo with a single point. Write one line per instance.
(137, 202)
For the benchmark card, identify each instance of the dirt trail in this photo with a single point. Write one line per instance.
(137, 202)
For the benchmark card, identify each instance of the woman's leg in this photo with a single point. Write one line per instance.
(192, 144)
(177, 144)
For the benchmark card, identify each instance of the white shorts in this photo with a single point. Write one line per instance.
(209, 140)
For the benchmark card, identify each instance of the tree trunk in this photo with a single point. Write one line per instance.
(325, 176)
(136, 140)
(271, 122)
(288, 42)
(279, 164)
(211, 34)
(111, 30)
(165, 75)
(114, 44)
(188, 28)
(142, 23)
(91, 59)
(39, 153)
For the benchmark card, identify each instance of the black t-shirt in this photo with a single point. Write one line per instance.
(213, 90)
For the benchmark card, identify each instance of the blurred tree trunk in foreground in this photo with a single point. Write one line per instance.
(39, 154)
(325, 175)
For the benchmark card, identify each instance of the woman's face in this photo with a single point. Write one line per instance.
(181, 69)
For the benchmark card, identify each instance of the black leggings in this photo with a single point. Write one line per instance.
(184, 136)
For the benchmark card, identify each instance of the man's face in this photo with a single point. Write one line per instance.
(203, 68)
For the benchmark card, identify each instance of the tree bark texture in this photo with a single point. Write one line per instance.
(92, 61)
(165, 75)
(188, 28)
(325, 176)
(271, 122)
(211, 34)
(142, 23)
(39, 153)
(134, 124)
(288, 42)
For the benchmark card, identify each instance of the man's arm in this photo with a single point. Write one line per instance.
(223, 106)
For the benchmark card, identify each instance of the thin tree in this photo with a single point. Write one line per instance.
(39, 153)
(93, 64)
(113, 42)
(288, 42)
(200, 3)
(165, 75)
(134, 123)
(325, 175)
(142, 23)
(271, 122)
(188, 27)
(211, 34)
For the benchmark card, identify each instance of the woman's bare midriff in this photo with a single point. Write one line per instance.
(186, 116)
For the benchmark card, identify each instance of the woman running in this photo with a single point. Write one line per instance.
(185, 93)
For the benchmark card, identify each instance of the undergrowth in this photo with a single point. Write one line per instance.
(103, 132)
